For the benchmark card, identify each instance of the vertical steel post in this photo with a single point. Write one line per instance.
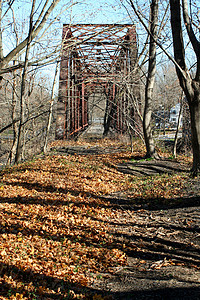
(83, 103)
(62, 106)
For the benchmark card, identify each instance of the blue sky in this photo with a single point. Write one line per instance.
(101, 11)
(83, 11)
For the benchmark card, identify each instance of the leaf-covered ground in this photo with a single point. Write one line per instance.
(61, 220)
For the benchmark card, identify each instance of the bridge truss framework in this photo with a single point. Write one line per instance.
(98, 58)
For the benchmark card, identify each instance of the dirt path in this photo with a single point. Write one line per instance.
(162, 243)
(163, 248)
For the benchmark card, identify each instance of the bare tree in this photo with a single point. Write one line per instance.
(14, 96)
(23, 82)
(153, 33)
(149, 141)
(178, 126)
(39, 24)
(189, 83)
(50, 109)
(21, 57)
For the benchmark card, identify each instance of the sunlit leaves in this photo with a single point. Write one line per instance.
(54, 221)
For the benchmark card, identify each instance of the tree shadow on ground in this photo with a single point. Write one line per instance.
(142, 167)
(117, 199)
(58, 288)
(187, 293)
(159, 243)
(138, 246)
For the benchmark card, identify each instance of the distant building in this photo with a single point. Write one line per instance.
(174, 114)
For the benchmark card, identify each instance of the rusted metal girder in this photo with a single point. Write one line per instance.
(96, 56)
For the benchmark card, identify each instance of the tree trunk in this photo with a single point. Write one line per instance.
(50, 110)
(109, 115)
(194, 107)
(23, 83)
(148, 137)
(14, 100)
(1, 43)
(109, 111)
(178, 127)
(15, 127)
(190, 85)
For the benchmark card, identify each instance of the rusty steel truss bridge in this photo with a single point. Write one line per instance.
(99, 79)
